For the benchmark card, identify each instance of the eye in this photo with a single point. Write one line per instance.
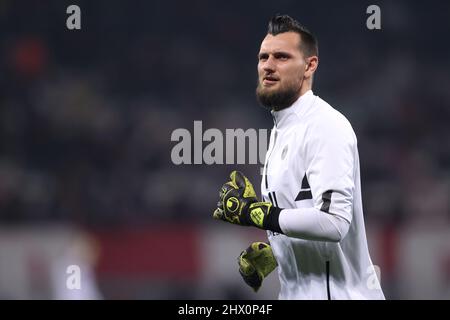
(263, 57)
(281, 56)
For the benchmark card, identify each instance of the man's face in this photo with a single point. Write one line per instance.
(281, 69)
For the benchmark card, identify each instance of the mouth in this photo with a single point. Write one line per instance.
(270, 80)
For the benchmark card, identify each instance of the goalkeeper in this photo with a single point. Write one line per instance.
(311, 202)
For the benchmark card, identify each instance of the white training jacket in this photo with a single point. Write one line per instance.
(312, 171)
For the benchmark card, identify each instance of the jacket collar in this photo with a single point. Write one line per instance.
(286, 116)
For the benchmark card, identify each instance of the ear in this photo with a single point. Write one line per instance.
(311, 65)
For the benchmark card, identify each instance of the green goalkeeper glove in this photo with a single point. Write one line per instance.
(255, 264)
(238, 204)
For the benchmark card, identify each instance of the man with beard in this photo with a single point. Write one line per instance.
(311, 206)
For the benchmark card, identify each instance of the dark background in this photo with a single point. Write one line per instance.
(86, 118)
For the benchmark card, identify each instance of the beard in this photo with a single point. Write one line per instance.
(277, 99)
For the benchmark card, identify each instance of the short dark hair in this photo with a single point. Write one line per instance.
(284, 23)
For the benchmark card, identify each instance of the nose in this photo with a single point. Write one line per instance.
(269, 65)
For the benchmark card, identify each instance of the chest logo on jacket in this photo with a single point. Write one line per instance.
(284, 152)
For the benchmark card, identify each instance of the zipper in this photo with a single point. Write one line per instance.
(327, 267)
(268, 157)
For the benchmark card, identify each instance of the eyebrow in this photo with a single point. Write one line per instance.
(276, 53)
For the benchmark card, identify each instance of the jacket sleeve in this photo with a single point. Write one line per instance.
(330, 153)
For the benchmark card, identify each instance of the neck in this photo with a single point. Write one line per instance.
(304, 88)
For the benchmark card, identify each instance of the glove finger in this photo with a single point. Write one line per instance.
(245, 265)
(238, 179)
(241, 181)
(227, 187)
(255, 250)
(253, 280)
(218, 214)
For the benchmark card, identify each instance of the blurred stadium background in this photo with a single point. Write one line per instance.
(86, 117)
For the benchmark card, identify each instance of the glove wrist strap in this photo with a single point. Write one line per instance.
(271, 222)
(271, 218)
